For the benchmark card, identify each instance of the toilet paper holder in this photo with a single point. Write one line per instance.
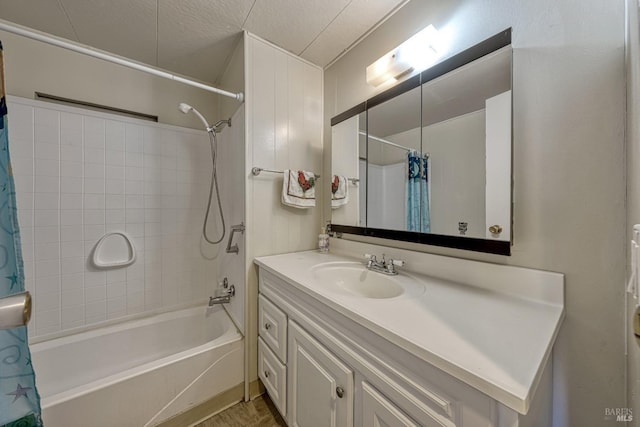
(15, 310)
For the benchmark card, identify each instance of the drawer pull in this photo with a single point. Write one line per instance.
(340, 392)
(267, 326)
(266, 374)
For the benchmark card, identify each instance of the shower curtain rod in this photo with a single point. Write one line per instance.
(86, 50)
(384, 141)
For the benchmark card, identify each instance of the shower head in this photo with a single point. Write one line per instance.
(185, 108)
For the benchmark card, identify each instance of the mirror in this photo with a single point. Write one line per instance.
(431, 157)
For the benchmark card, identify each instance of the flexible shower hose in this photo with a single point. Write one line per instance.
(213, 142)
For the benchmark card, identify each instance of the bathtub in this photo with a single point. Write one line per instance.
(140, 372)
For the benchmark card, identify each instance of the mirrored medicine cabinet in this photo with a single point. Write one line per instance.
(429, 160)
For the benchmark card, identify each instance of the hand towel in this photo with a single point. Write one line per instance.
(339, 191)
(299, 189)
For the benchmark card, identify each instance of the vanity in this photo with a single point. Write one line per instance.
(445, 342)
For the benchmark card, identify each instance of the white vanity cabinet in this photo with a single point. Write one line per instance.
(341, 374)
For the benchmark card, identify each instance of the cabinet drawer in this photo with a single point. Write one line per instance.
(273, 327)
(377, 410)
(273, 375)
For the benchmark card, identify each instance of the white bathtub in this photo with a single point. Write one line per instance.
(138, 373)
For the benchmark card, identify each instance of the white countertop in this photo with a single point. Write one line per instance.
(494, 341)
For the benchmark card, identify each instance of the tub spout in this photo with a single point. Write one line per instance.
(225, 299)
(228, 291)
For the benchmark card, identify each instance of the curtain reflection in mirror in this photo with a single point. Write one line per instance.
(418, 192)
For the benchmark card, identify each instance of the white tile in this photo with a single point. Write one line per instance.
(94, 140)
(45, 134)
(133, 145)
(152, 161)
(70, 185)
(113, 186)
(72, 317)
(152, 215)
(46, 116)
(72, 266)
(69, 153)
(135, 271)
(22, 165)
(73, 169)
(114, 227)
(135, 229)
(94, 125)
(94, 186)
(71, 233)
(115, 290)
(46, 301)
(48, 322)
(72, 298)
(26, 235)
(115, 135)
(116, 275)
(70, 121)
(70, 201)
(115, 201)
(47, 251)
(115, 172)
(94, 155)
(46, 201)
(133, 173)
(95, 278)
(44, 184)
(133, 132)
(47, 283)
(46, 234)
(152, 202)
(114, 158)
(94, 216)
(93, 232)
(47, 151)
(46, 217)
(96, 311)
(115, 216)
(135, 302)
(72, 249)
(134, 159)
(134, 216)
(95, 293)
(25, 183)
(134, 187)
(71, 138)
(25, 200)
(71, 217)
(94, 170)
(94, 201)
(117, 306)
(47, 167)
(72, 283)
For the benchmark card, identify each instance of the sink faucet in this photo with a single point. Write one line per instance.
(383, 266)
(226, 293)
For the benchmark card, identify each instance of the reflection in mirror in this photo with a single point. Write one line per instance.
(467, 133)
(393, 202)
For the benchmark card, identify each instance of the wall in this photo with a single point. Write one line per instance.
(80, 174)
(35, 66)
(633, 195)
(569, 179)
(284, 131)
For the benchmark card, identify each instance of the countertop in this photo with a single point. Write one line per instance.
(494, 341)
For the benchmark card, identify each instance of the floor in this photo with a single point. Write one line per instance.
(260, 412)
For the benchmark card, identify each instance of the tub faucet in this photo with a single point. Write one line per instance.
(226, 293)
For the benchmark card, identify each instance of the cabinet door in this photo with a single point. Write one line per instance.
(320, 386)
(379, 411)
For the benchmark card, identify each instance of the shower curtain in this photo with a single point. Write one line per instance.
(19, 399)
(418, 193)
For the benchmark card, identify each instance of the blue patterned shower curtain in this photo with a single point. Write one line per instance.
(418, 193)
(19, 399)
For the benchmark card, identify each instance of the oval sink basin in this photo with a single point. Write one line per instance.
(353, 279)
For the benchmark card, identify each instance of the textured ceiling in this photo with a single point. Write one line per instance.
(196, 37)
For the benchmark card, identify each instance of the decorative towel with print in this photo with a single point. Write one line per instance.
(339, 191)
(19, 399)
(299, 189)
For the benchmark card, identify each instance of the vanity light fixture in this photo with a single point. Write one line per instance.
(417, 53)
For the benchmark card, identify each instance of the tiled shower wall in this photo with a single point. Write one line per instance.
(80, 174)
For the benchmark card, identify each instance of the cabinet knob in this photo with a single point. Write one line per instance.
(495, 229)
(267, 326)
(266, 374)
(340, 392)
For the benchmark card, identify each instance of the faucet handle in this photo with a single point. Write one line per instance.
(370, 257)
(397, 262)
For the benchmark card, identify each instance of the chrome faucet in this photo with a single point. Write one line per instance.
(383, 266)
(227, 292)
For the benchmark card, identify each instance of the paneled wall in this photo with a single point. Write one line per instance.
(80, 174)
(284, 131)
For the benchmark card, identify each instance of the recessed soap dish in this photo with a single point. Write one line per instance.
(114, 249)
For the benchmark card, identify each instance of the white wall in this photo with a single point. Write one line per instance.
(344, 162)
(284, 131)
(569, 179)
(35, 66)
(80, 174)
(633, 195)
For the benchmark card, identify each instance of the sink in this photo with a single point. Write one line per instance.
(353, 279)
